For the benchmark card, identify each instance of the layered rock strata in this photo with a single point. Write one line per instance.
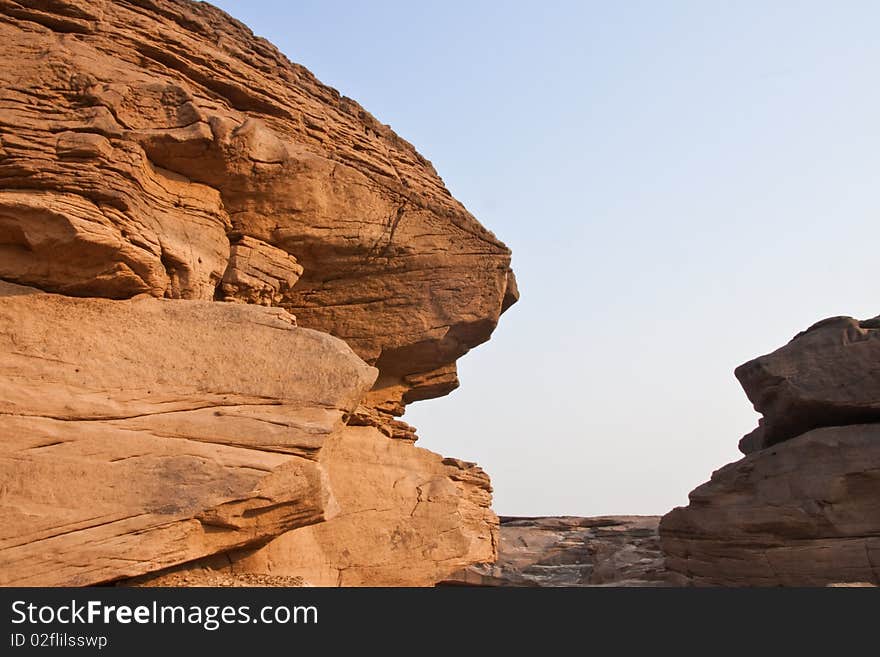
(803, 507)
(146, 139)
(195, 190)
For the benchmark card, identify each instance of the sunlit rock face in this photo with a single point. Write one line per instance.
(182, 178)
(408, 517)
(138, 434)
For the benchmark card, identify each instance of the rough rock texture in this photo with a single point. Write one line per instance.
(156, 159)
(139, 434)
(573, 551)
(141, 137)
(828, 375)
(803, 508)
(801, 513)
(258, 273)
(407, 517)
(208, 577)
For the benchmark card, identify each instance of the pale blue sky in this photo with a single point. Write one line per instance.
(684, 185)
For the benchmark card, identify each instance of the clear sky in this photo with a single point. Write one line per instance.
(684, 185)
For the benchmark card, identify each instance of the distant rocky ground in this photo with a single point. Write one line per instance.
(573, 551)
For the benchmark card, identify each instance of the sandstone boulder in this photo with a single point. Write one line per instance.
(135, 435)
(257, 272)
(826, 376)
(801, 508)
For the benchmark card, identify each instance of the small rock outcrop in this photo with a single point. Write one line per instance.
(573, 551)
(826, 376)
(222, 283)
(801, 509)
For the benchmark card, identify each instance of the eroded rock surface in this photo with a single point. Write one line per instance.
(258, 273)
(173, 191)
(573, 551)
(801, 509)
(801, 513)
(827, 375)
(407, 517)
(138, 434)
(138, 136)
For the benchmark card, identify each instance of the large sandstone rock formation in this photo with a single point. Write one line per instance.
(152, 141)
(176, 172)
(572, 551)
(803, 507)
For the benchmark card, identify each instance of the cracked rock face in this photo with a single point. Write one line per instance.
(802, 508)
(173, 192)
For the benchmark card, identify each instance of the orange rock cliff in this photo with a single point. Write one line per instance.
(222, 282)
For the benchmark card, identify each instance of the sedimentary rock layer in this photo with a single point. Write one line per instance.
(155, 140)
(156, 158)
(135, 435)
(573, 551)
(801, 513)
(802, 508)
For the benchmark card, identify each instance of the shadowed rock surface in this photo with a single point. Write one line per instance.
(828, 375)
(573, 551)
(175, 197)
(802, 513)
(801, 509)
